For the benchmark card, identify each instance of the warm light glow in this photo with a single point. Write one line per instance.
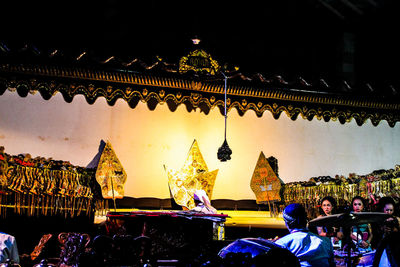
(144, 141)
(196, 41)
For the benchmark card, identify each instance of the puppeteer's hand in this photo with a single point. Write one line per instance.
(208, 205)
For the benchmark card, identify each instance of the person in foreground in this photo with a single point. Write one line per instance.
(8, 248)
(311, 249)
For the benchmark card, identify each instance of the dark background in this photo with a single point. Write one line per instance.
(352, 40)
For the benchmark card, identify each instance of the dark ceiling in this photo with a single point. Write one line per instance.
(354, 40)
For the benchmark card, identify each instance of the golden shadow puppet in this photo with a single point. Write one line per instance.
(110, 174)
(194, 175)
(265, 183)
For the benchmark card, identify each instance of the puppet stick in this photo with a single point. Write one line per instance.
(112, 189)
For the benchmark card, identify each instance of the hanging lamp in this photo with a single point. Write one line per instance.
(224, 152)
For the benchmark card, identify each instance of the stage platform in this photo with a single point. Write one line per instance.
(172, 234)
(235, 218)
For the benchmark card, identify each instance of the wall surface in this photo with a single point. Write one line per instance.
(145, 141)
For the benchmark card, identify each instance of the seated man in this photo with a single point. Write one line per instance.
(202, 202)
(311, 249)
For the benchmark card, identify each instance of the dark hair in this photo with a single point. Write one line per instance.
(331, 200)
(383, 201)
(359, 198)
(295, 216)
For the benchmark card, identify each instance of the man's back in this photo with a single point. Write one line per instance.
(311, 249)
(8, 248)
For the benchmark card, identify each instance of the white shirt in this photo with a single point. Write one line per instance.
(8, 248)
(309, 248)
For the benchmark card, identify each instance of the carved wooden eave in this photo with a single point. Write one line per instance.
(203, 92)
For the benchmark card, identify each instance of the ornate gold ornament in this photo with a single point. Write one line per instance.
(110, 174)
(194, 175)
(93, 84)
(198, 61)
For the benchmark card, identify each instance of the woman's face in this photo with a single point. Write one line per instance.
(327, 207)
(388, 209)
(358, 205)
